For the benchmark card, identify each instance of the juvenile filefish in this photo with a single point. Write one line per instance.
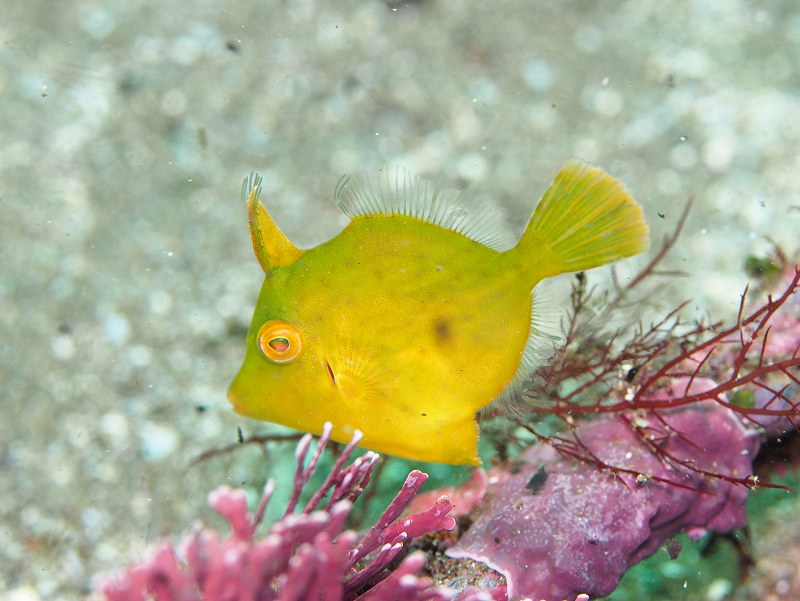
(406, 324)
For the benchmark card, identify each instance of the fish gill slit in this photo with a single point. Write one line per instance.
(331, 374)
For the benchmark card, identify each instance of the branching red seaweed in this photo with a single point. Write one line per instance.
(750, 367)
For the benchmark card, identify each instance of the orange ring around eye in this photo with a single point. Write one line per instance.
(278, 341)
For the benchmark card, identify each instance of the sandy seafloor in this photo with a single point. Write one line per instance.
(126, 273)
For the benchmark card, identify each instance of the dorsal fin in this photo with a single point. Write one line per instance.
(395, 191)
(271, 247)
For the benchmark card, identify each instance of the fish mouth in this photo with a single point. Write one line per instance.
(236, 400)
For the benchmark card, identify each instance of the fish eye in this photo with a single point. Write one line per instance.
(279, 341)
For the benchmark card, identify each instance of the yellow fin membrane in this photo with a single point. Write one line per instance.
(586, 218)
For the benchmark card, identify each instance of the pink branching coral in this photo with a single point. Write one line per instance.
(306, 555)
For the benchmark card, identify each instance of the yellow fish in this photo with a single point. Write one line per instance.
(405, 325)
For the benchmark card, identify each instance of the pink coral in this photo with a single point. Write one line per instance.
(306, 555)
(464, 497)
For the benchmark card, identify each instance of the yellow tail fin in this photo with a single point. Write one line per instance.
(585, 219)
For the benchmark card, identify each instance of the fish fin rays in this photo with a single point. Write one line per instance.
(271, 247)
(586, 218)
(358, 373)
(393, 190)
(544, 338)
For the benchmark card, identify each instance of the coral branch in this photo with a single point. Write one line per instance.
(374, 535)
(306, 555)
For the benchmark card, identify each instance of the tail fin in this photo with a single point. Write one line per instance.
(585, 219)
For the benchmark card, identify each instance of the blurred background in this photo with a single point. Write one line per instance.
(126, 273)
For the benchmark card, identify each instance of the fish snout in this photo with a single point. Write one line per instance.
(237, 399)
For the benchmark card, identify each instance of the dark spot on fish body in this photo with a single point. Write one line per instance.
(443, 330)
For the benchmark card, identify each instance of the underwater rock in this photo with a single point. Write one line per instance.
(556, 527)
